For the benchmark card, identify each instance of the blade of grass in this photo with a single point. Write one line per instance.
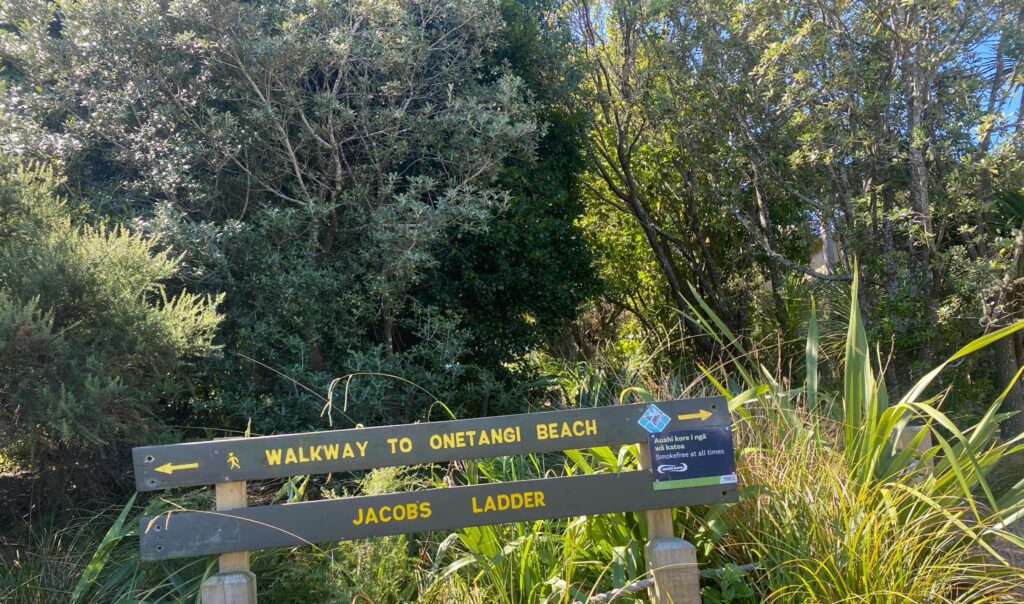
(101, 555)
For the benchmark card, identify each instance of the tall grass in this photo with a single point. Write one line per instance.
(822, 536)
(43, 561)
(835, 510)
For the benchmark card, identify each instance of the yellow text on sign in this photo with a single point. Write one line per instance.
(512, 501)
(475, 438)
(392, 513)
(329, 452)
(566, 429)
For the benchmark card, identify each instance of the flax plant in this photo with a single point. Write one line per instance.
(855, 506)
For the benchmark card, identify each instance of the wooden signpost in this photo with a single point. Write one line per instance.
(686, 459)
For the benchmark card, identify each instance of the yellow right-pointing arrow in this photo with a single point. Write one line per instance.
(169, 468)
(702, 415)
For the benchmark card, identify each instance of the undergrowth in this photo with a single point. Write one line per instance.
(843, 499)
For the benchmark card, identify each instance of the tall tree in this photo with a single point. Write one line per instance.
(313, 161)
(882, 130)
(524, 279)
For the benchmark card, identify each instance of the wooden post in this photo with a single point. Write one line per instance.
(230, 588)
(235, 583)
(671, 561)
(231, 496)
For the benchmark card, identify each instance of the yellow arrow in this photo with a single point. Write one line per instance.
(702, 415)
(169, 468)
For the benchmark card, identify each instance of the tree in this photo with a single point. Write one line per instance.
(880, 130)
(621, 42)
(524, 279)
(327, 166)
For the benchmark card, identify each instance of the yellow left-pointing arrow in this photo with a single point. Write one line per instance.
(702, 415)
(169, 468)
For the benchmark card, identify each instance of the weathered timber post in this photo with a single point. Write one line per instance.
(235, 583)
(671, 561)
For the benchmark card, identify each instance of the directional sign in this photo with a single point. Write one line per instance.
(169, 468)
(702, 415)
(181, 534)
(226, 460)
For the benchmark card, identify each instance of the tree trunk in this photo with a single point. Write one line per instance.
(1006, 370)
(764, 223)
(916, 87)
(668, 268)
(389, 336)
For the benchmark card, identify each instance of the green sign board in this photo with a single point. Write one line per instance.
(227, 460)
(182, 534)
(178, 534)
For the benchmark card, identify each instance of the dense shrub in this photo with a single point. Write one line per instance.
(378, 187)
(92, 344)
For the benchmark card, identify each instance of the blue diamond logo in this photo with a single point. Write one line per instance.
(653, 420)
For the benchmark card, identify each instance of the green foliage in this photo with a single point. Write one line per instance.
(92, 345)
(44, 561)
(861, 508)
(378, 188)
(820, 535)
(550, 560)
(99, 559)
(729, 585)
(401, 202)
(815, 522)
(378, 570)
(520, 279)
(746, 146)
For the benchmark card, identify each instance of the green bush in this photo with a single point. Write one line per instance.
(842, 500)
(384, 187)
(92, 344)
